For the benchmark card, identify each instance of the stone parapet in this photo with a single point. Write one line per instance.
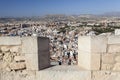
(99, 52)
(24, 53)
(10, 40)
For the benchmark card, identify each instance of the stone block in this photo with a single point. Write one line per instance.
(114, 39)
(15, 49)
(107, 66)
(19, 58)
(98, 44)
(116, 67)
(117, 59)
(108, 58)
(95, 62)
(29, 45)
(113, 48)
(84, 60)
(32, 61)
(84, 43)
(105, 75)
(17, 66)
(10, 40)
(93, 44)
(89, 61)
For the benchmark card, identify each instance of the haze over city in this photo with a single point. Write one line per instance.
(68, 7)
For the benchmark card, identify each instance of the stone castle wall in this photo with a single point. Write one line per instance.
(99, 52)
(11, 57)
(101, 56)
(23, 59)
(20, 57)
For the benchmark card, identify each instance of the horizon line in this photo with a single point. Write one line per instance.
(97, 14)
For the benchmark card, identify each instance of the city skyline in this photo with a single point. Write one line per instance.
(68, 7)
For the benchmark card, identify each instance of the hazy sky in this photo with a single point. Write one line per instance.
(42, 7)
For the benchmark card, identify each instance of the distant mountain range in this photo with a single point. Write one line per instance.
(107, 14)
(62, 17)
(111, 14)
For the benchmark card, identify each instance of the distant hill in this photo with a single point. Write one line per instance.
(62, 17)
(111, 14)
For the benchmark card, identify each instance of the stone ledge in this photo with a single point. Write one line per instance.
(63, 73)
(10, 40)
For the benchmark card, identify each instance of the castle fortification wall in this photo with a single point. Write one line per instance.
(23, 58)
(100, 55)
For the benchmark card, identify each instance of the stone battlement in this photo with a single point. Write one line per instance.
(99, 52)
(24, 53)
(27, 58)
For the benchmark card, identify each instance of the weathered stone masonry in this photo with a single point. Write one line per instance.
(24, 53)
(99, 52)
(23, 58)
(100, 55)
